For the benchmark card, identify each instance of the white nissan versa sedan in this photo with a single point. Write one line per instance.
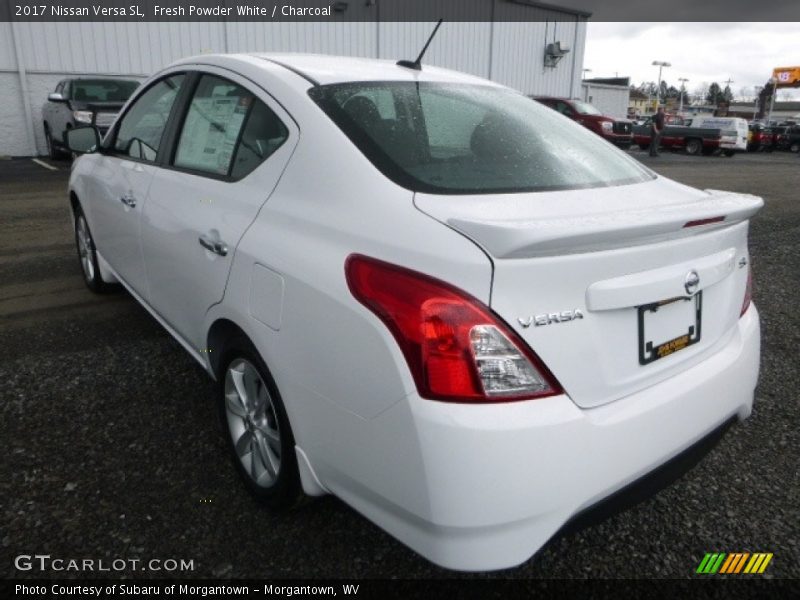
(455, 309)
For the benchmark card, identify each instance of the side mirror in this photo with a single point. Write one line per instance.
(56, 97)
(82, 140)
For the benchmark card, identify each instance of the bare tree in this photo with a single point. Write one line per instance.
(700, 92)
(744, 94)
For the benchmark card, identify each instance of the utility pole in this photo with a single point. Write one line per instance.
(660, 64)
(728, 86)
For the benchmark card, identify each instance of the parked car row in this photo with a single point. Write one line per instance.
(695, 136)
(786, 137)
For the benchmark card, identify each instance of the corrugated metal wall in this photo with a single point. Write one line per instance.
(610, 99)
(511, 53)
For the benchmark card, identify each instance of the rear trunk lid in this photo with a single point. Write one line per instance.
(583, 276)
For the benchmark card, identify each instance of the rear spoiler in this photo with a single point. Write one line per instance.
(544, 237)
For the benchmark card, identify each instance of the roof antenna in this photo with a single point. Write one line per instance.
(417, 64)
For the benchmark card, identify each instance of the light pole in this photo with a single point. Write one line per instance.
(683, 81)
(660, 64)
(587, 93)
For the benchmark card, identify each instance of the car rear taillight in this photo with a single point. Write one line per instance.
(748, 292)
(457, 349)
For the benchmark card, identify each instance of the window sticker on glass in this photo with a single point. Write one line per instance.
(215, 118)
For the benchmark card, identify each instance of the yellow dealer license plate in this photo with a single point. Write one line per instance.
(669, 326)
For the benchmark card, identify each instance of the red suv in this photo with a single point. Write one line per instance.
(616, 131)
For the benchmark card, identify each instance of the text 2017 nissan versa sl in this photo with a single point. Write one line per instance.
(455, 309)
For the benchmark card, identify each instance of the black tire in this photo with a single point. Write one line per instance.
(284, 490)
(694, 146)
(87, 257)
(53, 152)
(643, 146)
(729, 153)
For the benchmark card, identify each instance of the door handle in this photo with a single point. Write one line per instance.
(214, 246)
(128, 200)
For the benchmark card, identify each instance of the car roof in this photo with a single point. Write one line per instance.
(101, 78)
(321, 69)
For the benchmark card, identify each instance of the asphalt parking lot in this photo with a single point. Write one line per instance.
(112, 446)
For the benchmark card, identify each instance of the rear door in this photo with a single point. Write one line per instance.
(233, 143)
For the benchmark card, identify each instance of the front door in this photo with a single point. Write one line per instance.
(234, 144)
(123, 177)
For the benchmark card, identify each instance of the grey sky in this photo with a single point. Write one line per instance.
(702, 52)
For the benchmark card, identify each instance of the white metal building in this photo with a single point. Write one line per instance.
(612, 100)
(34, 56)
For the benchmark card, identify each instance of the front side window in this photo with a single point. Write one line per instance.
(469, 139)
(141, 129)
(227, 130)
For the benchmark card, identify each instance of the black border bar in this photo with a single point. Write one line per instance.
(398, 10)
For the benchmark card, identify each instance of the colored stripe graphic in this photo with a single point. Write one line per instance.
(727, 564)
(711, 562)
(764, 564)
(704, 563)
(740, 564)
(734, 563)
(755, 562)
(730, 564)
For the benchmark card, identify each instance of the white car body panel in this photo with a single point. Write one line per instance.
(115, 225)
(471, 487)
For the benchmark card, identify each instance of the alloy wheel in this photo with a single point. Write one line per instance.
(85, 248)
(252, 423)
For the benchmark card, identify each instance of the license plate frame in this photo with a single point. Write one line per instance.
(650, 352)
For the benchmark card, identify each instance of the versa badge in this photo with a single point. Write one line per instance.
(550, 318)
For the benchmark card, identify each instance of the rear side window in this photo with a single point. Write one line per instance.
(263, 134)
(142, 127)
(471, 139)
(227, 130)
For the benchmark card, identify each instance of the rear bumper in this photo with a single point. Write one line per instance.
(495, 482)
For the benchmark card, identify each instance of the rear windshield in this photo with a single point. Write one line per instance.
(103, 90)
(471, 139)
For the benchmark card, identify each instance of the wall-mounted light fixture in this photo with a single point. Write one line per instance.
(553, 53)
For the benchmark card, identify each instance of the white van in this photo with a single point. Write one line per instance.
(734, 131)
